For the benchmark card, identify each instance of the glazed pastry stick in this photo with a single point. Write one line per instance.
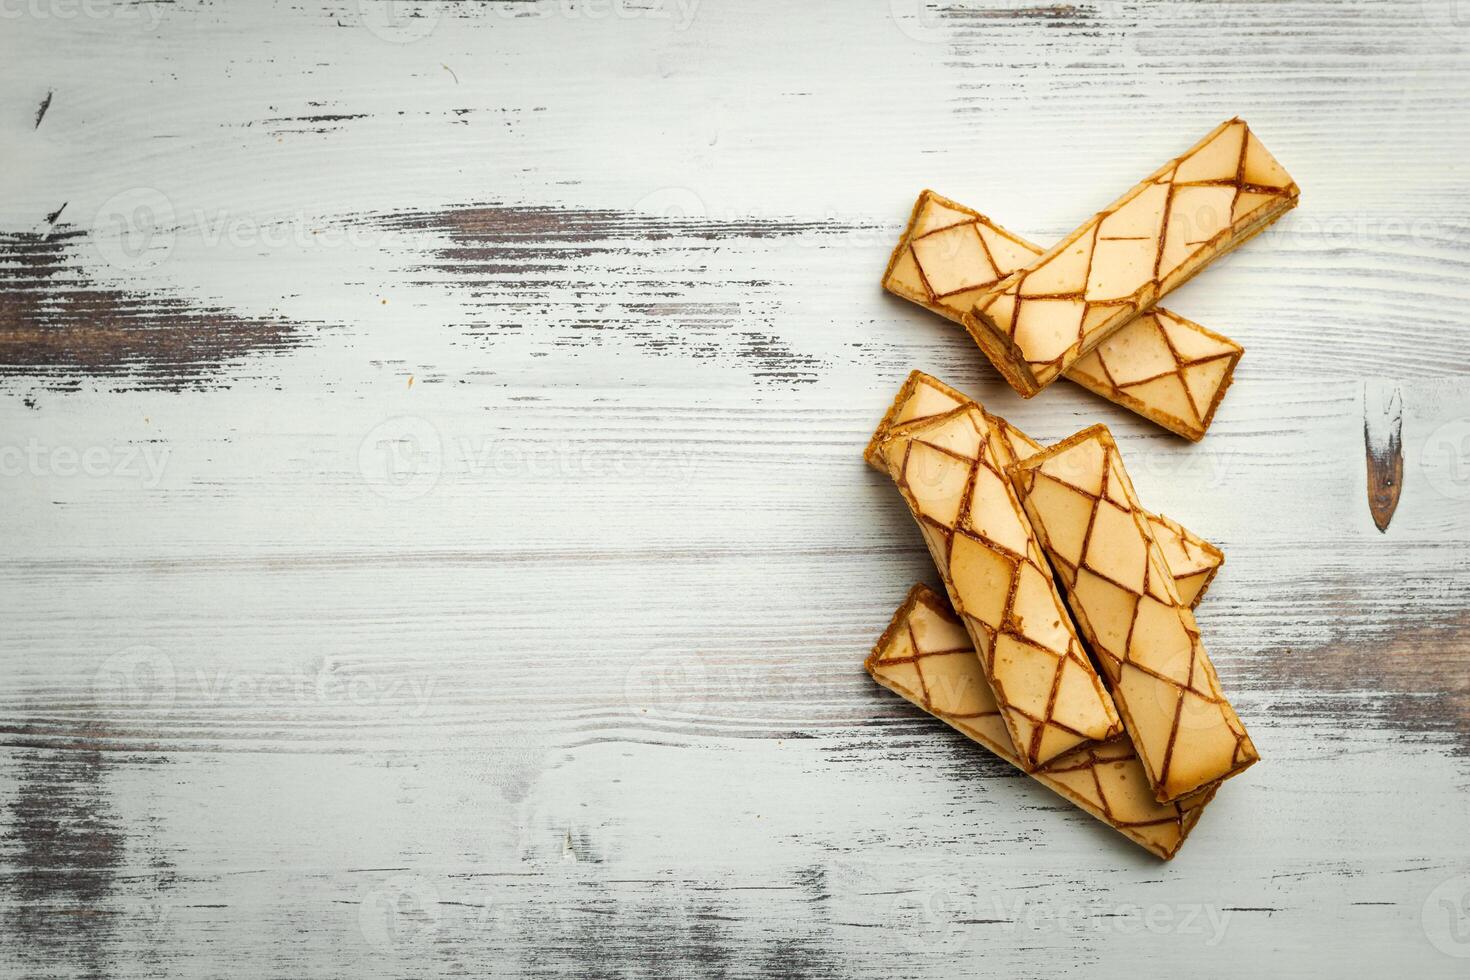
(1086, 514)
(1040, 320)
(1170, 370)
(925, 657)
(1192, 560)
(1050, 695)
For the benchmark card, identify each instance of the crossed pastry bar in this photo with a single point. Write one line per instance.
(925, 656)
(1170, 370)
(1176, 746)
(1084, 510)
(1041, 319)
(1193, 560)
(1049, 694)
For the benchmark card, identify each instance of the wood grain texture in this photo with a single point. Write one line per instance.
(436, 535)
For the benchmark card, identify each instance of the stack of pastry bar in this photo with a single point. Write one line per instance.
(1114, 705)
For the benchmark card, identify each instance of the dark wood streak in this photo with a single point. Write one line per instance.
(41, 112)
(58, 328)
(528, 268)
(503, 224)
(679, 928)
(1382, 440)
(1419, 679)
(1048, 12)
(64, 846)
(319, 123)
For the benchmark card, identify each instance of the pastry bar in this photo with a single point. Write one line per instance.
(1050, 695)
(1170, 370)
(925, 657)
(1086, 514)
(1043, 318)
(1192, 560)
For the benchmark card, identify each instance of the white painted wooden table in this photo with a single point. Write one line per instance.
(436, 540)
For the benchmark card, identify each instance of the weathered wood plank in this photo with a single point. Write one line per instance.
(436, 537)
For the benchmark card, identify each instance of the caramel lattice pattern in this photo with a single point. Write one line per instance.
(1049, 693)
(1170, 370)
(926, 657)
(1164, 367)
(1086, 514)
(1038, 321)
(1192, 560)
